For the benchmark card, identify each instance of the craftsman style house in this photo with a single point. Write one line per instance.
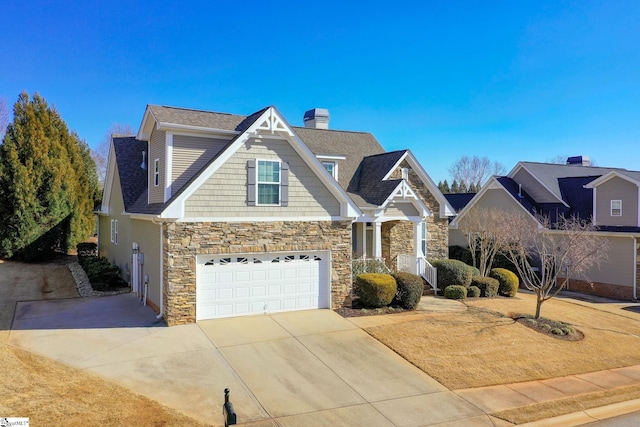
(214, 215)
(608, 197)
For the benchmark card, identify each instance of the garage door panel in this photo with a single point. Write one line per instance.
(250, 284)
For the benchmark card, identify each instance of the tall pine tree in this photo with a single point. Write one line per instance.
(46, 183)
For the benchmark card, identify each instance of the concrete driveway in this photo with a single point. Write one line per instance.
(311, 368)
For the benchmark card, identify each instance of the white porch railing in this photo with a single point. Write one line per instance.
(419, 266)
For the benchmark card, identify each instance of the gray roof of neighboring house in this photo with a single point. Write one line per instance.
(548, 173)
(459, 200)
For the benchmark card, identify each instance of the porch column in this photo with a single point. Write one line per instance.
(377, 240)
(363, 238)
(417, 239)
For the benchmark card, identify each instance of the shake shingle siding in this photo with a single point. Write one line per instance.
(225, 193)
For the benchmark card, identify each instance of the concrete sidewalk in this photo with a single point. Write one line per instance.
(287, 369)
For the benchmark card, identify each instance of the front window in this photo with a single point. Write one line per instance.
(423, 238)
(268, 182)
(616, 208)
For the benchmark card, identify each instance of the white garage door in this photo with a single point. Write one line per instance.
(238, 285)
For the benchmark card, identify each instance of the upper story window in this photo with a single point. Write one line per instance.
(156, 172)
(616, 208)
(268, 182)
(332, 168)
(114, 231)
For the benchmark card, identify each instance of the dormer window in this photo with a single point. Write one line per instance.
(616, 208)
(156, 172)
(332, 168)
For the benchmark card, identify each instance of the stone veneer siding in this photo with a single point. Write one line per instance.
(184, 241)
(437, 228)
(397, 238)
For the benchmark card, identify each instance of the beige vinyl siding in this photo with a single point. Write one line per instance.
(225, 193)
(617, 269)
(190, 155)
(457, 238)
(118, 254)
(157, 150)
(401, 210)
(617, 189)
(498, 199)
(147, 235)
(533, 187)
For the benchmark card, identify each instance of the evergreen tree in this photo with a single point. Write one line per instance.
(455, 188)
(444, 187)
(463, 187)
(46, 195)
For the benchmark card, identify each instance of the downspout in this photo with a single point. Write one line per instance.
(161, 313)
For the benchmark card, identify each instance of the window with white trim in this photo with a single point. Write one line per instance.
(423, 238)
(268, 182)
(156, 172)
(332, 168)
(114, 231)
(616, 208)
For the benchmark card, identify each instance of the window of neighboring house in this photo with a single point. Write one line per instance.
(331, 168)
(616, 208)
(423, 238)
(114, 231)
(268, 182)
(156, 172)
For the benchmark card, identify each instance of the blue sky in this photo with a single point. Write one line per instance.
(510, 80)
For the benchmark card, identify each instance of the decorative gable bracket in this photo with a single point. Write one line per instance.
(273, 123)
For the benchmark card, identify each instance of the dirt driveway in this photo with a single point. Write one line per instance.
(28, 282)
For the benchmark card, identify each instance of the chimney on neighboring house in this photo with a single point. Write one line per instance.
(579, 161)
(317, 118)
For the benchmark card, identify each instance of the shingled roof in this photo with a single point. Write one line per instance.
(133, 179)
(199, 118)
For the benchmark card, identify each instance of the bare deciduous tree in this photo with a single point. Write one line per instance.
(546, 255)
(4, 117)
(484, 230)
(101, 153)
(475, 170)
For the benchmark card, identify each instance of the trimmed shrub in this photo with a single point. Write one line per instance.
(455, 292)
(488, 286)
(508, 281)
(474, 271)
(375, 289)
(410, 288)
(473, 292)
(452, 272)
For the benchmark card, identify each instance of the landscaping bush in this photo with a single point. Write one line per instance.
(508, 281)
(367, 265)
(87, 249)
(473, 291)
(375, 289)
(101, 273)
(455, 292)
(452, 272)
(474, 271)
(410, 288)
(488, 286)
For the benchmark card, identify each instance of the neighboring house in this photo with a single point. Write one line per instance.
(608, 197)
(459, 200)
(215, 215)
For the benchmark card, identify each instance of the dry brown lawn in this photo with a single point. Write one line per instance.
(484, 346)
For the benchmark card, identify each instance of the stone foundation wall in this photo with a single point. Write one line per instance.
(437, 228)
(606, 290)
(184, 241)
